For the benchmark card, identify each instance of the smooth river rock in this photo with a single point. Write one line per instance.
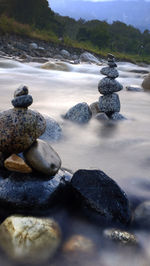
(19, 128)
(110, 72)
(94, 108)
(23, 101)
(17, 164)
(22, 90)
(109, 103)
(41, 157)
(99, 193)
(32, 192)
(29, 239)
(80, 113)
(142, 215)
(108, 85)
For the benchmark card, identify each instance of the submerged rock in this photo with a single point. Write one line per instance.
(17, 164)
(100, 194)
(19, 128)
(78, 244)
(53, 131)
(142, 215)
(41, 157)
(79, 113)
(32, 191)
(102, 117)
(121, 237)
(56, 66)
(29, 239)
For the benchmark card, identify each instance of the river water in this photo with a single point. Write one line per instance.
(121, 150)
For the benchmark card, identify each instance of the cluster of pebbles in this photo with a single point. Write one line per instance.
(109, 103)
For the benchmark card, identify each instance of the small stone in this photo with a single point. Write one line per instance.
(136, 89)
(22, 90)
(146, 82)
(33, 45)
(79, 244)
(111, 56)
(95, 108)
(100, 194)
(117, 117)
(17, 164)
(119, 236)
(22, 101)
(30, 239)
(79, 113)
(88, 57)
(65, 53)
(43, 158)
(109, 103)
(112, 64)
(19, 128)
(142, 215)
(109, 72)
(102, 117)
(107, 86)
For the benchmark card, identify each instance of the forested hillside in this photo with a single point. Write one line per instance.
(95, 34)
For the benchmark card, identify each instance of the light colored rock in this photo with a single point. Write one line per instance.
(119, 236)
(146, 82)
(109, 103)
(95, 108)
(60, 66)
(88, 57)
(80, 113)
(17, 164)
(43, 158)
(53, 131)
(65, 53)
(79, 243)
(19, 128)
(33, 45)
(29, 239)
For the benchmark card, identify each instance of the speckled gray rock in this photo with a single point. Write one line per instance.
(19, 128)
(23, 101)
(112, 64)
(109, 72)
(117, 117)
(121, 237)
(102, 117)
(41, 157)
(107, 86)
(53, 131)
(109, 103)
(94, 108)
(142, 215)
(22, 90)
(79, 113)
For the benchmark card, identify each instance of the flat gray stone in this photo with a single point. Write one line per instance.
(41, 157)
(109, 72)
(108, 85)
(109, 103)
(79, 113)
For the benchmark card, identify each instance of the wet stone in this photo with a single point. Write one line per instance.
(22, 90)
(32, 192)
(23, 101)
(112, 64)
(102, 117)
(16, 164)
(80, 113)
(142, 215)
(109, 103)
(109, 72)
(99, 193)
(121, 237)
(117, 117)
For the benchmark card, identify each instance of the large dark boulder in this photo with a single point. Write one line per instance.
(99, 193)
(32, 191)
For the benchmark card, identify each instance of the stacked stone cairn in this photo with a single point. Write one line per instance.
(109, 103)
(22, 154)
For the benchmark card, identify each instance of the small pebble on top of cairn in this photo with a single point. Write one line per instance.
(109, 103)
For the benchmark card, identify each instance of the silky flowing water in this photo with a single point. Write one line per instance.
(121, 150)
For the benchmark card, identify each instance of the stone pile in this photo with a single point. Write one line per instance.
(109, 103)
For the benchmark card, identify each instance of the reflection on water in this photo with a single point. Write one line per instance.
(121, 150)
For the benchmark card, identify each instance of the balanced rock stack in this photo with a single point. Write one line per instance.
(109, 103)
(24, 157)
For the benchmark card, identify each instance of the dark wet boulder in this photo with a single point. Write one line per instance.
(32, 191)
(99, 193)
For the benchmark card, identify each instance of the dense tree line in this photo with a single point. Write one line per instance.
(116, 36)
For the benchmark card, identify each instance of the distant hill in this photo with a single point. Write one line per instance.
(134, 12)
